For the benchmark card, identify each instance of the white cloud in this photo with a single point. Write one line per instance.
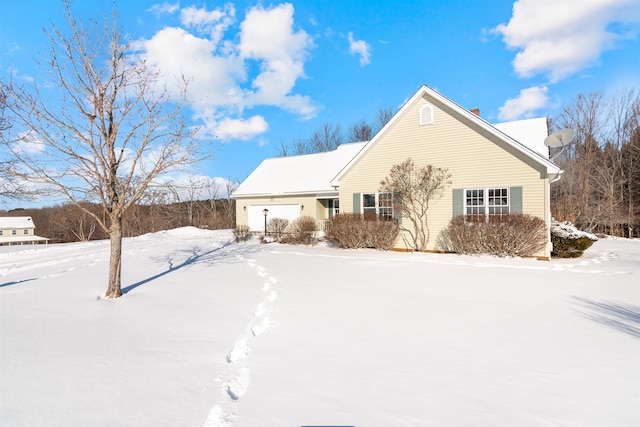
(229, 128)
(361, 48)
(164, 8)
(528, 101)
(220, 59)
(268, 36)
(214, 22)
(561, 37)
(27, 144)
(213, 79)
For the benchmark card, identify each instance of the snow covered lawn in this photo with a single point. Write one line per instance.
(212, 333)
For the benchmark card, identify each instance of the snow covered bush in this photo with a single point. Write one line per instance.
(353, 231)
(501, 235)
(568, 241)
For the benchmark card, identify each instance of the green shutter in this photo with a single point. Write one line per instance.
(458, 202)
(330, 208)
(397, 212)
(356, 202)
(515, 199)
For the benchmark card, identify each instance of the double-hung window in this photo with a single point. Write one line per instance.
(378, 204)
(486, 201)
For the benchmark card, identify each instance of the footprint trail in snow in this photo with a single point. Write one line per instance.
(223, 412)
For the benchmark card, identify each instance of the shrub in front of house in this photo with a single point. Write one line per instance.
(519, 235)
(241, 233)
(302, 231)
(381, 235)
(354, 231)
(568, 241)
(278, 227)
(346, 231)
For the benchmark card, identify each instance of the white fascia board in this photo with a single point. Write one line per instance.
(319, 193)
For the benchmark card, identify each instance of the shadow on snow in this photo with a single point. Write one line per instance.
(622, 317)
(2, 285)
(193, 256)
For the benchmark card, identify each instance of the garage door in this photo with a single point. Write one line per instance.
(256, 217)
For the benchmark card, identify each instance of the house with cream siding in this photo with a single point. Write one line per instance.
(19, 230)
(494, 169)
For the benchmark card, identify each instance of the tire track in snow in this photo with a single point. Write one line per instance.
(224, 411)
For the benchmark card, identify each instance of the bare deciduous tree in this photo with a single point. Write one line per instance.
(382, 118)
(329, 136)
(102, 129)
(598, 191)
(229, 203)
(360, 131)
(413, 190)
(9, 188)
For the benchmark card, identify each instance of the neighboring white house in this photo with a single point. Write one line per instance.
(19, 230)
(496, 169)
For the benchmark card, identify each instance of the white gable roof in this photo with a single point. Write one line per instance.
(307, 174)
(552, 169)
(19, 222)
(529, 132)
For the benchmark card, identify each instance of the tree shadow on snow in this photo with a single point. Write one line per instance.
(2, 285)
(195, 256)
(622, 317)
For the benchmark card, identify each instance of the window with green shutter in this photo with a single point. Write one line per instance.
(380, 205)
(487, 201)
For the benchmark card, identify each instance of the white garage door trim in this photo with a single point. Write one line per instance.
(256, 217)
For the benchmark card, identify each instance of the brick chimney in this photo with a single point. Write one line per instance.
(475, 111)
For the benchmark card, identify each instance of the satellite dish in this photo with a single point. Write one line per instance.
(558, 139)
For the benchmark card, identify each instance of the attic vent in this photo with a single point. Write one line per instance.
(426, 115)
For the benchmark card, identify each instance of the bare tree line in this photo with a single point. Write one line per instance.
(600, 188)
(71, 223)
(329, 136)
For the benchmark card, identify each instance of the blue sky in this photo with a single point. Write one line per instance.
(266, 73)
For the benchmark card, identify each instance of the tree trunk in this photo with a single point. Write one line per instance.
(114, 289)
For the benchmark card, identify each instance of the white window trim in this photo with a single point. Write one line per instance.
(426, 115)
(377, 204)
(485, 197)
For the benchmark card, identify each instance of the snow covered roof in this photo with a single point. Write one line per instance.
(310, 173)
(21, 222)
(529, 132)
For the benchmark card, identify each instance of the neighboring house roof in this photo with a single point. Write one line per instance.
(21, 239)
(472, 119)
(21, 222)
(306, 174)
